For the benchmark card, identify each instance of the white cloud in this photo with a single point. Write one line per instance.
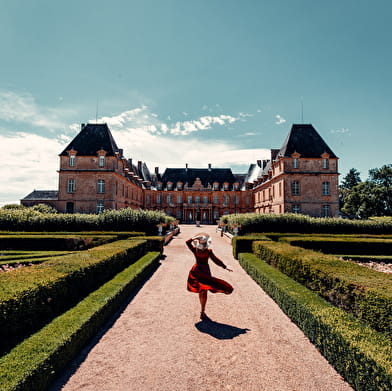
(342, 131)
(22, 108)
(29, 162)
(279, 119)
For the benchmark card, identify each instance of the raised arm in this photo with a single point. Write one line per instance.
(190, 245)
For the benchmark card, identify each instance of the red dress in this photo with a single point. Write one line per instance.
(200, 278)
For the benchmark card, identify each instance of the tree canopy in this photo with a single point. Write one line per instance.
(372, 197)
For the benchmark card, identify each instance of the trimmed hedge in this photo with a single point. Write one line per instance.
(20, 256)
(52, 242)
(361, 355)
(243, 244)
(346, 245)
(32, 296)
(288, 222)
(367, 258)
(361, 291)
(38, 360)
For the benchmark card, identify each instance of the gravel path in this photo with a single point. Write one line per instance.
(158, 342)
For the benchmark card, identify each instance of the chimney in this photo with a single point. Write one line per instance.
(156, 170)
(139, 168)
(82, 126)
(259, 163)
(121, 151)
(209, 166)
(274, 153)
(264, 163)
(130, 164)
(186, 166)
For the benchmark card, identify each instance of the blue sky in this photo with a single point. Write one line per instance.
(196, 82)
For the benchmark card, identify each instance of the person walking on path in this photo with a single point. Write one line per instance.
(200, 279)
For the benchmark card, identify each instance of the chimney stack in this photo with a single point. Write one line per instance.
(186, 166)
(82, 126)
(156, 170)
(209, 166)
(121, 152)
(259, 163)
(274, 153)
(139, 168)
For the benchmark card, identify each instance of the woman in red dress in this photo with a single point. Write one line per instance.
(200, 279)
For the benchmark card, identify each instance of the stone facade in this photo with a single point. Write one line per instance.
(300, 177)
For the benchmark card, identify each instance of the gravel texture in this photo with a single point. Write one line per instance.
(158, 342)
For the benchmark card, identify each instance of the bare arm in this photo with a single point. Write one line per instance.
(190, 245)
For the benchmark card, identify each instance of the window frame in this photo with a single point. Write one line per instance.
(71, 185)
(101, 186)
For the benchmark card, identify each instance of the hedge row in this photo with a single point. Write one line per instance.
(361, 291)
(38, 360)
(334, 245)
(32, 296)
(361, 355)
(255, 222)
(52, 242)
(243, 244)
(367, 258)
(12, 256)
(28, 219)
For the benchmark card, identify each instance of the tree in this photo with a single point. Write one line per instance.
(351, 179)
(370, 198)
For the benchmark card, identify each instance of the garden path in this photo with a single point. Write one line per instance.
(158, 342)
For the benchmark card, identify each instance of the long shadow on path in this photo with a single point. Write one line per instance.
(219, 330)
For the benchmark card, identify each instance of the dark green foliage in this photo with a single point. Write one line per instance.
(32, 296)
(28, 219)
(334, 245)
(363, 292)
(255, 222)
(361, 355)
(34, 363)
(52, 242)
(243, 244)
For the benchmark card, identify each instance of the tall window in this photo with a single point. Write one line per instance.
(72, 161)
(295, 162)
(159, 199)
(197, 199)
(216, 214)
(102, 161)
(179, 214)
(225, 200)
(296, 209)
(326, 188)
(169, 199)
(189, 199)
(205, 199)
(247, 199)
(216, 199)
(71, 186)
(101, 186)
(326, 211)
(148, 200)
(235, 200)
(179, 199)
(295, 188)
(325, 163)
(100, 207)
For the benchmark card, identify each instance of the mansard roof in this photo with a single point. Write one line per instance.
(206, 176)
(92, 138)
(42, 195)
(304, 139)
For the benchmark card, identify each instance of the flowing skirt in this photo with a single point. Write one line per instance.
(200, 279)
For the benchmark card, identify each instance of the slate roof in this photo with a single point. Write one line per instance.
(92, 138)
(207, 176)
(304, 139)
(42, 195)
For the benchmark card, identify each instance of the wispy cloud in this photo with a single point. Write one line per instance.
(279, 119)
(22, 108)
(341, 131)
(28, 160)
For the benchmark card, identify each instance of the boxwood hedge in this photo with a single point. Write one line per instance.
(30, 297)
(361, 291)
(35, 362)
(360, 354)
